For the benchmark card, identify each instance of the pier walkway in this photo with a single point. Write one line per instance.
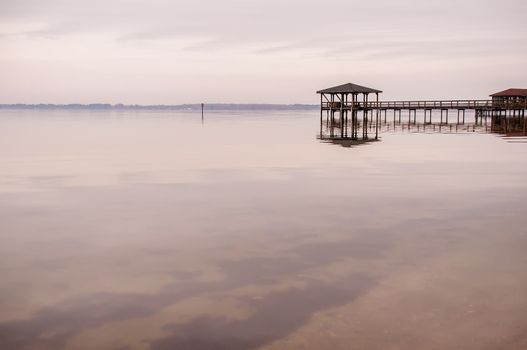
(487, 105)
(347, 104)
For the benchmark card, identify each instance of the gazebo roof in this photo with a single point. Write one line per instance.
(511, 93)
(349, 88)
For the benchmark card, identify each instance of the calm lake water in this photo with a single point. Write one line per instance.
(153, 230)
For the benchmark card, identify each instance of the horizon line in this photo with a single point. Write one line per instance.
(184, 106)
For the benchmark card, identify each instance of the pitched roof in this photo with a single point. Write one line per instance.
(511, 93)
(348, 89)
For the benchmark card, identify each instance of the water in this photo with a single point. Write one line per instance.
(153, 230)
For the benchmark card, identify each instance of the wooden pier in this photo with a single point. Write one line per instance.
(349, 107)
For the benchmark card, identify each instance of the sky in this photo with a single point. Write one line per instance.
(257, 51)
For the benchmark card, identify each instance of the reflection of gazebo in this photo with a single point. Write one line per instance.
(346, 142)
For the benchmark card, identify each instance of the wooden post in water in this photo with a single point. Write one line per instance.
(364, 116)
(321, 112)
(341, 116)
(356, 117)
(377, 116)
(365, 126)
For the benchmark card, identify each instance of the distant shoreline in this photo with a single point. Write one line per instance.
(181, 107)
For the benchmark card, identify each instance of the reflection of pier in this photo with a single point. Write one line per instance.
(332, 131)
(346, 113)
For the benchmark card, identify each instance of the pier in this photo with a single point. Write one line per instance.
(347, 112)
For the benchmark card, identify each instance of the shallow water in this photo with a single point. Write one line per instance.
(155, 230)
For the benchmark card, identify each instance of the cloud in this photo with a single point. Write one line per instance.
(233, 36)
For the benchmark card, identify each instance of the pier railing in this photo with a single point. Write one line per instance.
(439, 104)
(449, 104)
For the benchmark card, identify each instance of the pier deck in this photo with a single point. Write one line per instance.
(347, 104)
(488, 105)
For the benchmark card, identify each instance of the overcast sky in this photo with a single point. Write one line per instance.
(275, 51)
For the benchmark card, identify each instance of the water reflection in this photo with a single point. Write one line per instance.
(153, 231)
(341, 132)
(346, 142)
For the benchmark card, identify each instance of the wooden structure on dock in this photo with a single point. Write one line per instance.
(348, 109)
(346, 102)
(510, 97)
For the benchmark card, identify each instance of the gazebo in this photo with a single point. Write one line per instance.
(339, 96)
(510, 98)
(345, 99)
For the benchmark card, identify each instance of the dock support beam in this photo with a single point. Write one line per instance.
(377, 116)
